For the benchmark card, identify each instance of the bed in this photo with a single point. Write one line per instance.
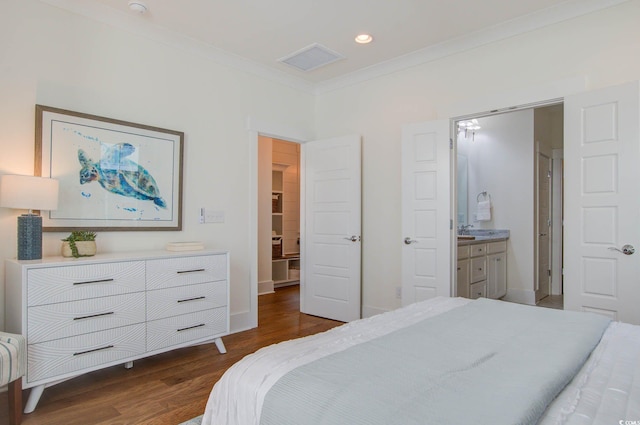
(442, 361)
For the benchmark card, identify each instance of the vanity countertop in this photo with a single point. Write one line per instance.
(484, 235)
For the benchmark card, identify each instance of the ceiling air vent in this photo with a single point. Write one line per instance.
(311, 57)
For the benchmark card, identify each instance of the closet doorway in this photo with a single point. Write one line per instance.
(278, 214)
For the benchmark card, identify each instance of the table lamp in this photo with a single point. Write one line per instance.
(29, 193)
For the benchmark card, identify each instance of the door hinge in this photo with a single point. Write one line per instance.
(549, 272)
(450, 224)
(450, 143)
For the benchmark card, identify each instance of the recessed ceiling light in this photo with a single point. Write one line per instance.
(137, 6)
(364, 38)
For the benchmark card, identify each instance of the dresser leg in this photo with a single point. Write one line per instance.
(220, 345)
(128, 365)
(34, 398)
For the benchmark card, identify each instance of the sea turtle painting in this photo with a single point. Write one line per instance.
(118, 174)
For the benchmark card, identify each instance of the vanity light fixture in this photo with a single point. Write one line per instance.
(363, 38)
(469, 127)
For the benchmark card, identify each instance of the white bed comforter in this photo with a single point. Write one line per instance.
(605, 391)
(607, 388)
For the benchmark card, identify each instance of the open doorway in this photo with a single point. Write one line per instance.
(514, 160)
(278, 214)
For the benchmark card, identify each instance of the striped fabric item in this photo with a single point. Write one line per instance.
(13, 357)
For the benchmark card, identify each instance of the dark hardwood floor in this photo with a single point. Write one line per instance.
(172, 387)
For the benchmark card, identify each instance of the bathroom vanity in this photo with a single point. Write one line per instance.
(482, 264)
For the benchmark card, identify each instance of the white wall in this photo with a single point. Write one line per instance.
(55, 58)
(601, 48)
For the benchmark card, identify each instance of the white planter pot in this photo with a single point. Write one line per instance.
(85, 249)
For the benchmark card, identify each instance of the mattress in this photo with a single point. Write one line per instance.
(605, 390)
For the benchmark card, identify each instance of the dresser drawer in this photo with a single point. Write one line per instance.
(176, 330)
(478, 250)
(53, 321)
(169, 302)
(478, 290)
(495, 247)
(68, 355)
(167, 273)
(71, 283)
(463, 252)
(478, 269)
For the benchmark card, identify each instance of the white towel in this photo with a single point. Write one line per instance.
(483, 212)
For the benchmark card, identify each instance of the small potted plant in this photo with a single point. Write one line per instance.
(80, 243)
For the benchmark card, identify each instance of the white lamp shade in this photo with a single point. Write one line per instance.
(28, 192)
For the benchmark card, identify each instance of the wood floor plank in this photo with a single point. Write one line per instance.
(168, 388)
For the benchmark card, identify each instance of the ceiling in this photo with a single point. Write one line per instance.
(260, 32)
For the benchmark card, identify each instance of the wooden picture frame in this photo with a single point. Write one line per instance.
(114, 175)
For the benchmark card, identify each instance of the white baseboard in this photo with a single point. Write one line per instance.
(265, 287)
(240, 322)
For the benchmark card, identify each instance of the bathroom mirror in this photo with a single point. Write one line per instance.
(461, 183)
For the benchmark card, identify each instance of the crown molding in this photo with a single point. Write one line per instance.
(137, 25)
(553, 15)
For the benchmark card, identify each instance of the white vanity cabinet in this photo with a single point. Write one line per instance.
(85, 314)
(478, 267)
(462, 276)
(482, 270)
(497, 269)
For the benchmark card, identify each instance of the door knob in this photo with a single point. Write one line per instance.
(409, 241)
(626, 249)
(353, 238)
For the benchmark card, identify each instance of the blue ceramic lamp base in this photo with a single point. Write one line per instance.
(29, 237)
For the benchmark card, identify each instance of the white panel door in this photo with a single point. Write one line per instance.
(426, 233)
(602, 202)
(330, 235)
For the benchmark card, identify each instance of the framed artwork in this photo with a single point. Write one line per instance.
(113, 175)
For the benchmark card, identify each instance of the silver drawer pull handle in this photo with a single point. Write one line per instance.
(190, 271)
(93, 315)
(93, 281)
(191, 327)
(91, 351)
(191, 299)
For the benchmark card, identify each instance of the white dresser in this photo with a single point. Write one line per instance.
(84, 314)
